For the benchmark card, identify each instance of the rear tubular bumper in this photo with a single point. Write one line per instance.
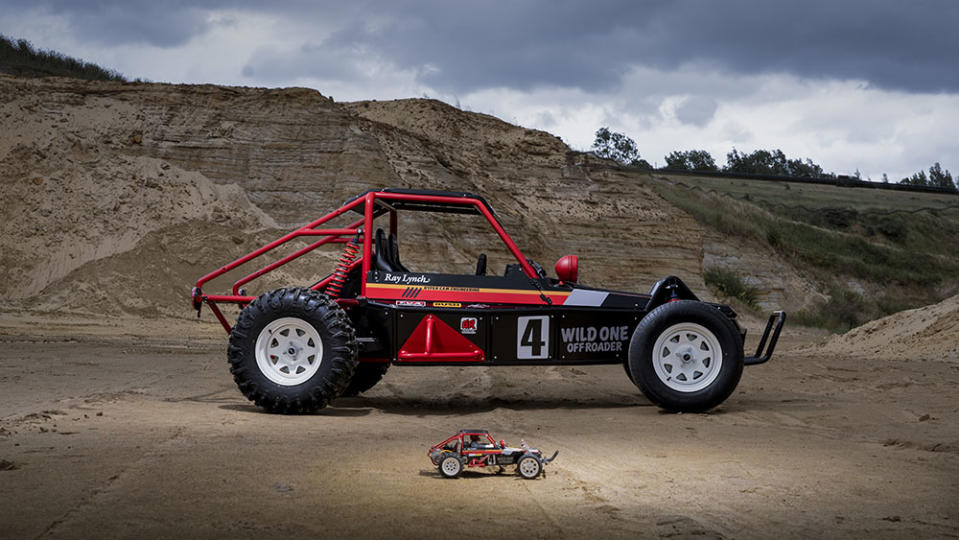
(775, 326)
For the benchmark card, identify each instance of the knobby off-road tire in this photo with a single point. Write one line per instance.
(292, 351)
(686, 356)
(366, 375)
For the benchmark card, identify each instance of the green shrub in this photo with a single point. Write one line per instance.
(843, 311)
(728, 284)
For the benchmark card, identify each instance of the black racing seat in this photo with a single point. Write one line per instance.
(395, 255)
(382, 258)
(481, 265)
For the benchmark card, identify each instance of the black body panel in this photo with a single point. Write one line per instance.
(523, 335)
(592, 326)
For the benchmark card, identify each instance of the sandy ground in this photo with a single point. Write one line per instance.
(127, 428)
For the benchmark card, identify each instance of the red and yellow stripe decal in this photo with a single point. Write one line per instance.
(384, 291)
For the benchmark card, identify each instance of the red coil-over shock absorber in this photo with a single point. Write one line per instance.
(335, 287)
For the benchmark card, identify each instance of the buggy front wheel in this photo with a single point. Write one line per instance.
(529, 467)
(686, 356)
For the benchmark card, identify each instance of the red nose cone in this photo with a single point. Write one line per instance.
(567, 268)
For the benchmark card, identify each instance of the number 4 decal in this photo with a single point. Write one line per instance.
(532, 337)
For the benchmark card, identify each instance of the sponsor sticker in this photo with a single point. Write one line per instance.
(468, 325)
(405, 278)
(450, 289)
(410, 303)
(592, 339)
(447, 304)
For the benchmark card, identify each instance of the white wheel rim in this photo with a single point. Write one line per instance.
(687, 357)
(289, 351)
(528, 467)
(451, 466)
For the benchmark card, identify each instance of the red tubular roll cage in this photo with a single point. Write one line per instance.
(374, 204)
(461, 436)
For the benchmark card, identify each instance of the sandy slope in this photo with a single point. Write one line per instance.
(72, 216)
(926, 332)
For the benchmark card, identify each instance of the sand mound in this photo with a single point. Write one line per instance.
(156, 276)
(80, 213)
(926, 332)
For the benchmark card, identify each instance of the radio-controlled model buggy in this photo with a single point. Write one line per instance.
(293, 350)
(476, 448)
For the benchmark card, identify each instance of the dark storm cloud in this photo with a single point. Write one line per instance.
(909, 46)
(162, 23)
(900, 45)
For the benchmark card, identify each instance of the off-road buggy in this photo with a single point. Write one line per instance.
(294, 349)
(476, 448)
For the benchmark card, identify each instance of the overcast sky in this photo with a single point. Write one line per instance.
(867, 84)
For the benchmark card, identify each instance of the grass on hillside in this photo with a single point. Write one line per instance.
(821, 195)
(21, 58)
(727, 283)
(915, 221)
(907, 255)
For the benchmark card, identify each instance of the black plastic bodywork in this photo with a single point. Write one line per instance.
(596, 331)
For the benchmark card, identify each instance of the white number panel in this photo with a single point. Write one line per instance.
(532, 337)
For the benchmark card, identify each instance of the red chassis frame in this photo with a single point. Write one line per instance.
(375, 204)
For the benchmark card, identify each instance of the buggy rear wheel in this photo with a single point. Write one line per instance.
(451, 466)
(366, 376)
(686, 356)
(292, 351)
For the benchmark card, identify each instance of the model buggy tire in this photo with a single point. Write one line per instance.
(686, 356)
(529, 466)
(365, 376)
(451, 466)
(292, 351)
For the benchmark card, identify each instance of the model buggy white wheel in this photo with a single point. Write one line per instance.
(451, 466)
(529, 467)
(289, 351)
(687, 357)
